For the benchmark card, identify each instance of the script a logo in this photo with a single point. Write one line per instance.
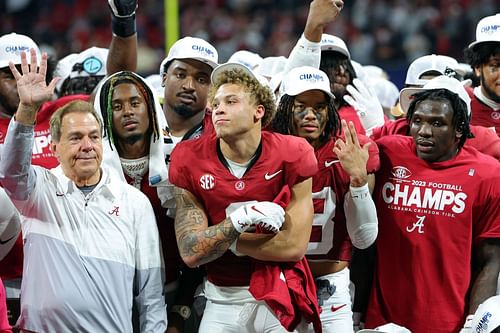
(401, 172)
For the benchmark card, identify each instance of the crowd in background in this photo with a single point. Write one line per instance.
(387, 33)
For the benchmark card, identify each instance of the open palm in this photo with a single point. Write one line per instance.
(31, 85)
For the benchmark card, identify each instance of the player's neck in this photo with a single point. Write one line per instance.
(129, 150)
(240, 150)
(178, 125)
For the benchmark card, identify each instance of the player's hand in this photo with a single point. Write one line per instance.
(352, 156)
(31, 86)
(123, 8)
(322, 12)
(267, 215)
(364, 100)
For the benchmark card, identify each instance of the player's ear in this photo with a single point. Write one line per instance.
(259, 112)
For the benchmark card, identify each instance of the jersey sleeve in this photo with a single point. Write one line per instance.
(178, 172)
(304, 165)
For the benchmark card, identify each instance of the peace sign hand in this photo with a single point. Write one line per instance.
(352, 156)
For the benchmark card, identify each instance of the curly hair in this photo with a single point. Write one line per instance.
(106, 100)
(260, 94)
(283, 120)
(481, 53)
(460, 116)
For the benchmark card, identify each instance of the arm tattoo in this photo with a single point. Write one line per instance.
(194, 237)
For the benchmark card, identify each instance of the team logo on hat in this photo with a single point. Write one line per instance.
(203, 50)
(490, 29)
(313, 78)
(92, 65)
(16, 49)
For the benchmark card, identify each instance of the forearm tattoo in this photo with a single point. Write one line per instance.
(207, 244)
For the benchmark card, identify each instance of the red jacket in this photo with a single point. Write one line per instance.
(288, 288)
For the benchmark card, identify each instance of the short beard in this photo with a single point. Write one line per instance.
(185, 111)
(134, 138)
(489, 93)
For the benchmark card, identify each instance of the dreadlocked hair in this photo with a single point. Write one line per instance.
(259, 93)
(330, 63)
(481, 53)
(283, 120)
(460, 113)
(106, 101)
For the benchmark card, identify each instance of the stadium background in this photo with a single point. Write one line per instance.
(386, 33)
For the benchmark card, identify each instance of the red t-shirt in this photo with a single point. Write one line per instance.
(485, 139)
(431, 215)
(285, 160)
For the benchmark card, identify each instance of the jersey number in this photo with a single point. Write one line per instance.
(323, 220)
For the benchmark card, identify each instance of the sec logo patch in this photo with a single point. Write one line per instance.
(207, 182)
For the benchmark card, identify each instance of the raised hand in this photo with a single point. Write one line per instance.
(366, 103)
(31, 86)
(321, 12)
(123, 8)
(352, 156)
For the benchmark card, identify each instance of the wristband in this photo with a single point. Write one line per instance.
(123, 26)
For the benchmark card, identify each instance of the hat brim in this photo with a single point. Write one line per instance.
(336, 49)
(405, 97)
(228, 66)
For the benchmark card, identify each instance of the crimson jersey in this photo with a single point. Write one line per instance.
(485, 140)
(430, 217)
(284, 160)
(482, 114)
(11, 266)
(348, 113)
(329, 239)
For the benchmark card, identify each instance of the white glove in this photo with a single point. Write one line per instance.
(265, 214)
(367, 105)
(467, 325)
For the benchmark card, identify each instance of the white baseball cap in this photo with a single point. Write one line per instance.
(11, 46)
(334, 43)
(247, 58)
(387, 328)
(427, 63)
(439, 82)
(305, 78)
(487, 30)
(487, 316)
(192, 48)
(90, 62)
(228, 66)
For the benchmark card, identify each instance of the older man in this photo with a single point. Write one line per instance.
(91, 242)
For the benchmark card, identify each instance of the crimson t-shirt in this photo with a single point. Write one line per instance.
(431, 215)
